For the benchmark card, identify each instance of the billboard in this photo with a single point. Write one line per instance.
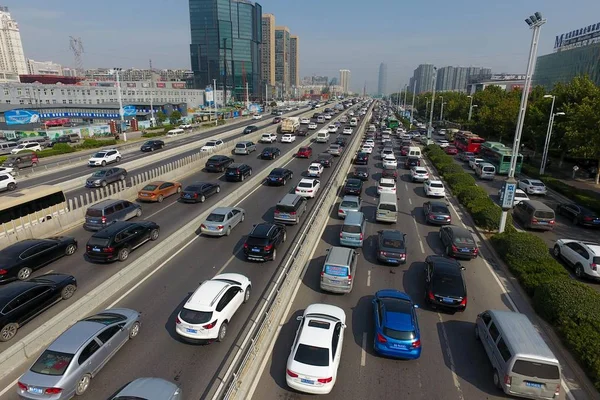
(579, 37)
(208, 96)
(131, 85)
(160, 84)
(129, 111)
(178, 85)
(20, 117)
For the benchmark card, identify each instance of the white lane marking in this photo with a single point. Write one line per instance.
(228, 262)
(258, 187)
(161, 210)
(421, 245)
(369, 278)
(363, 352)
(450, 358)
(410, 201)
(406, 187)
(9, 387)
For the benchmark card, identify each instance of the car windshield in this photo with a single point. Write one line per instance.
(192, 189)
(257, 241)
(448, 285)
(387, 207)
(393, 243)
(386, 184)
(305, 184)
(439, 209)
(464, 240)
(314, 167)
(351, 229)
(195, 317)
(353, 183)
(276, 172)
(536, 370)
(211, 144)
(150, 143)
(150, 188)
(100, 155)
(215, 217)
(399, 335)
(52, 363)
(436, 185)
(544, 214)
(312, 355)
(538, 184)
(99, 173)
(349, 204)
(520, 195)
(240, 146)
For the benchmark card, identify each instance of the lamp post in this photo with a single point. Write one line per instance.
(426, 107)
(215, 101)
(471, 107)
(412, 106)
(430, 127)
(121, 111)
(535, 23)
(442, 111)
(548, 132)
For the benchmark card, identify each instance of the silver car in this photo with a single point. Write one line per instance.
(349, 203)
(335, 149)
(68, 365)
(150, 389)
(222, 220)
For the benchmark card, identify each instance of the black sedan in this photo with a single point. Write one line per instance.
(341, 141)
(361, 173)
(353, 186)
(302, 131)
(103, 177)
(412, 162)
(250, 129)
(34, 297)
(361, 158)
(218, 163)
(199, 191)
(445, 286)
(279, 176)
(19, 260)
(152, 145)
(325, 159)
(391, 247)
(578, 214)
(262, 243)
(458, 242)
(270, 153)
(437, 212)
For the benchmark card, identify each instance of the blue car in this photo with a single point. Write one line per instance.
(397, 331)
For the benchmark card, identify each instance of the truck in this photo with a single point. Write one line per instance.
(289, 125)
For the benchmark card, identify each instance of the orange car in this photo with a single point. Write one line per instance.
(157, 191)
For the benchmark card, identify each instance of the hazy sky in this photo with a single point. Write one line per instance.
(334, 34)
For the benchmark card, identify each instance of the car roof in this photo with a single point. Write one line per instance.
(262, 229)
(392, 234)
(17, 248)
(204, 297)
(351, 198)
(8, 292)
(148, 388)
(459, 230)
(387, 180)
(113, 228)
(307, 180)
(437, 203)
(222, 210)
(76, 336)
(444, 264)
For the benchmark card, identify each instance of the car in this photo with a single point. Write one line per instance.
(33, 296)
(304, 121)
(341, 141)
(222, 220)
(315, 355)
(103, 177)
(465, 155)
(66, 367)
(327, 116)
(198, 192)
(218, 163)
(387, 151)
(152, 145)
(288, 138)
(391, 247)
(332, 129)
(302, 131)
(361, 158)
(270, 153)
(119, 239)
(276, 120)
(434, 188)
(458, 242)
(212, 145)
(263, 241)
(26, 147)
(308, 187)
(185, 126)
(390, 161)
(451, 150)
(578, 214)
(581, 255)
(313, 125)
(386, 185)
(150, 388)
(335, 149)
(257, 116)
(519, 196)
(412, 162)
(20, 259)
(445, 285)
(268, 138)
(349, 203)
(315, 169)
(473, 162)
(366, 149)
(304, 152)
(437, 213)
(532, 186)
(279, 176)
(419, 174)
(7, 170)
(347, 131)
(361, 173)
(238, 172)
(244, 148)
(7, 182)
(404, 150)
(443, 143)
(158, 190)
(250, 129)
(369, 142)
(101, 158)
(325, 159)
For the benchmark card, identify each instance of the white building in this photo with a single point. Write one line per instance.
(345, 80)
(12, 58)
(43, 68)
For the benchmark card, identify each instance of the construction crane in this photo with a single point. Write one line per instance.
(76, 46)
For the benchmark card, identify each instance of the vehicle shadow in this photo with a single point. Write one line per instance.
(418, 215)
(281, 350)
(433, 241)
(331, 234)
(236, 250)
(171, 321)
(312, 275)
(371, 191)
(268, 215)
(413, 282)
(362, 323)
(419, 191)
(369, 212)
(369, 248)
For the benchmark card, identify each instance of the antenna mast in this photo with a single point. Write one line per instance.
(76, 46)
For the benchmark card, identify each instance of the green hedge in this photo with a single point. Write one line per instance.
(153, 134)
(94, 144)
(3, 158)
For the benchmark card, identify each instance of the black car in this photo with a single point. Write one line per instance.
(61, 139)
(445, 287)
(361, 158)
(270, 153)
(437, 212)
(152, 145)
(250, 129)
(103, 177)
(325, 159)
(20, 302)
(117, 240)
(218, 163)
(412, 162)
(262, 242)
(238, 172)
(279, 176)
(390, 172)
(341, 141)
(353, 186)
(20, 259)
(199, 191)
(302, 131)
(391, 247)
(361, 173)
(458, 242)
(578, 214)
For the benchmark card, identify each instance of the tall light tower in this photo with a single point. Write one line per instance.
(76, 46)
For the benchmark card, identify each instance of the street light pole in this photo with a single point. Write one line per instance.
(470, 107)
(121, 111)
(412, 106)
(215, 101)
(430, 128)
(441, 106)
(442, 111)
(549, 133)
(535, 23)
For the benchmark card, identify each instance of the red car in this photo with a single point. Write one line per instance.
(451, 150)
(404, 151)
(276, 120)
(304, 152)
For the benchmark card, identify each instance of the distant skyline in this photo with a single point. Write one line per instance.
(126, 35)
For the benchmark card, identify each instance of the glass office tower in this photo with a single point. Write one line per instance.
(565, 65)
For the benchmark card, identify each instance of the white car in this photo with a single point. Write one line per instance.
(520, 196)
(366, 149)
(386, 185)
(369, 142)
(443, 143)
(315, 170)
(475, 161)
(347, 131)
(327, 116)
(268, 138)
(308, 187)
(533, 186)
(8, 170)
(434, 188)
(26, 146)
(315, 356)
(419, 174)
(288, 138)
(313, 125)
(257, 116)
(210, 308)
(582, 256)
(387, 131)
(390, 161)
(332, 129)
(212, 145)
(7, 182)
(104, 157)
(185, 126)
(305, 121)
(387, 151)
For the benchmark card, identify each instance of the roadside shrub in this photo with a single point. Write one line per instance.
(59, 148)
(95, 143)
(153, 134)
(487, 215)
(3, 158)
(520, 246)
(474, 193)
(447, 169)
(459, 179)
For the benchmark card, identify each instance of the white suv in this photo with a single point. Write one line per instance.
(104, 157)
(207, 312)
(7, 182)
(288, 138)
(434, 188)
(27, 146)
(583, 257)
(268, 138)
(419, 174)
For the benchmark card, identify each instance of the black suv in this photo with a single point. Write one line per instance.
(116, 241)
(353, 186)
(152, 145)
(361, 158)
(262, 242)
(412, 162)
(238, 172)
(218, 163)
(325, 159)
(279, 176)
(250, 129)
(270, 153)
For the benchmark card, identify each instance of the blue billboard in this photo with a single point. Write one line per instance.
(21, 117)
(129, 111)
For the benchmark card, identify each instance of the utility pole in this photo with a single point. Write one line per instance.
(121, 111)
(430, 128)
(152, 123)
(224, 70)
(247, 98)
(215, 101)
(412, 105)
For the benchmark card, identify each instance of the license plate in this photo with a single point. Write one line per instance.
(447, 300)
(335, 282)
(399, 346)
(188, 330)
(542, 223)
(440, 218)
(391, 260)
(35, 390)
(256, 250)
(273, 179)
(597, 221)
(187, 196)
(284, 216)
(97, 250)
(464, 250)
(230, 173)
(307, 381)
(533, 384)
(212, 228)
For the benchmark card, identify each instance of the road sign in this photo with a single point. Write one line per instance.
(507, 195)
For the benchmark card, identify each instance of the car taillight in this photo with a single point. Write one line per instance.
(383, 253)
(293, 213)
(551, 222)
(108, 249)
(416, 344)
(361, 236)
(454, 248)
(103, 219)
(430, 295)
(587, 218)
(475, 251)
(402, 256)
(245, 245)
(53, 390)
(195, 195)
(309, 191)
(534, 221)
(557, 390)
(507, 380)
(594, 267)
(268, 247)
(292, 373)
(177, 320)
(463, 302)
(203, 226)
(22, 386)
(381, 338)
(276, 212)
(349, 279)
(324, 380)
(211, 325)
(220, 227)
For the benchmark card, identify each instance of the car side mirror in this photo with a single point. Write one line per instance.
(299, 318)
(344, 326)
(416, 306)
(462, 268)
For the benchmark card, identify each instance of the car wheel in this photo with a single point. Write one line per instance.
(68, 292)
(122, 177)
(202, 199)
(250, 173)
(138, 212)
(160, 198)
(83, 384)
(556, 251)
(218, 189)
(242, 178)
(135, 329)
(497, 381)
(284, 182)
(274, 256)
(579, 271)
(71, 249)
(103, 163)
(154, 234)
(118, 159)
(284, 236)
(34, 164)
(24, 273)
(8, 332)
(291, 176)
(222, 332)
(103, 183)
(11, 186)
(228, 231)
(247, 294)
(123, 254)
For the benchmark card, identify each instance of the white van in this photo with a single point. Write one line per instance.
(485, 171)
(175, 132)
(414, 151)
(353, 122)
(323, 136)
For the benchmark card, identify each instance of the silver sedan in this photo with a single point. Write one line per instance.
(150, 388)
(222, 220)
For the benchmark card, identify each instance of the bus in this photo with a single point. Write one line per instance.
(33, 205)
(392, 123)
(499, 156)
(468, 141)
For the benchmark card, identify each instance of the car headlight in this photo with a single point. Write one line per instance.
(97, 181)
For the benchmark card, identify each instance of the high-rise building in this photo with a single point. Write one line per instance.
(345, 80)
(12, 57)
(424, 77)
(282, 59)
(43, 68)
(268, 49)
(456, 79)
(382, 85)
(319, 80)
(294, 61)
(225, 46)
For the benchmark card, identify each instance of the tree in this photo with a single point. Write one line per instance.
(273, 104)
(161, 116)
(174, 117)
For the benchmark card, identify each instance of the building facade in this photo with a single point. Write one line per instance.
(504, 84)
(43, 68)
(345, 80)
(382, 83)
(423, 75)
(268, 50)
(282, 59)
(12, 57)
(294, 61)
